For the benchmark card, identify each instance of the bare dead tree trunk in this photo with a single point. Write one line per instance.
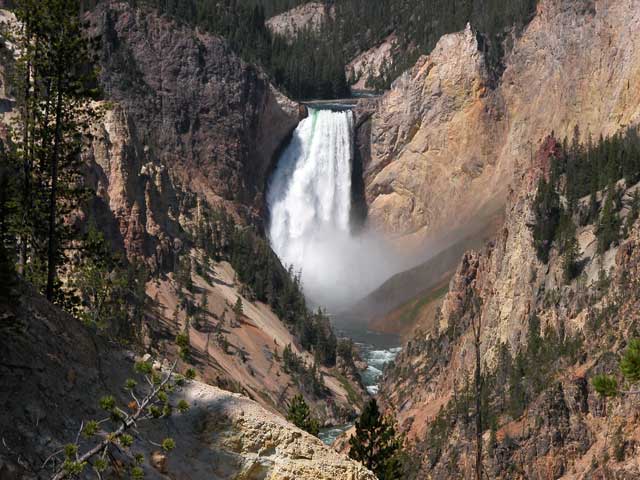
(52, 247)
(476, 320)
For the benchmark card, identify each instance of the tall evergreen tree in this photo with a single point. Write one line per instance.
(56, 81)
(376, 444)
(547, 217)
(608, 228)
(569, 248)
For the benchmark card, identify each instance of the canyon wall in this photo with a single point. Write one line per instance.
(563, 430)
(188, 127)
(447, 151)
(445, 146)
(185, 119)
(294, 21)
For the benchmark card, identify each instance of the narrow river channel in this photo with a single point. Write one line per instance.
(377, 350)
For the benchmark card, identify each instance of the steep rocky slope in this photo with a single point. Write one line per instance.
(241, 353)
(53, 370)
(444, 145)
(559, 428)
(190, 127)
(186, 119)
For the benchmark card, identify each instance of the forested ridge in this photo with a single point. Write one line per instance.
(313, 63)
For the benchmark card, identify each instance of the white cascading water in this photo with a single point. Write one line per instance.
(309, 199)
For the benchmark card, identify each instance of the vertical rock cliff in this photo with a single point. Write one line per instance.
(559, 429)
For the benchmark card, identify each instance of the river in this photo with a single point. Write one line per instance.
(377, 351)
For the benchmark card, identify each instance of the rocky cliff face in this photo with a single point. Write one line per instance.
(54, 370)
(562, 431)
(242, 353)
(445, 146)
(189, 127)
(370, 64)
(186, 119)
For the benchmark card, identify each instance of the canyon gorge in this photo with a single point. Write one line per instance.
(279, 247)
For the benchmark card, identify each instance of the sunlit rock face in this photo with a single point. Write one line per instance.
(185, 118)
(307, 16)
(444, 146)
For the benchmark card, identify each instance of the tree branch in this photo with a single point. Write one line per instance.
(126, 424)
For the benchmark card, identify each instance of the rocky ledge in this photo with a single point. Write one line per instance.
(53, 370)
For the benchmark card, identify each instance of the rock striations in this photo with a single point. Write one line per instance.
(186, 119)
(562, 432)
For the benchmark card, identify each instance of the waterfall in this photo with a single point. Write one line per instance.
(309, 200)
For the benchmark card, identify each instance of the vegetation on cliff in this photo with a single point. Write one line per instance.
(312, 63)
(300, 415)
(578, 171)
(107, 287)
(267, 280)
(53, 85)
(534, 399)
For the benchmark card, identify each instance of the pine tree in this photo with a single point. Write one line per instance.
(300, 415)
(607, 385)
(608, 228)
(376, 444)
(101, 283)
(630, 362)
(570, 250)
(203, 310)
(634, 211)
(547, 216)
(238, 308)
(7, 239)
(55, 79)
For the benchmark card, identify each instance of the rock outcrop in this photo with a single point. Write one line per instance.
(306, 16)
(444, 145)
(371, 63)
(53, 370)
(246, 442)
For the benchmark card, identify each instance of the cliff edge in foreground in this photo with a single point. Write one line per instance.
(53, 371)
